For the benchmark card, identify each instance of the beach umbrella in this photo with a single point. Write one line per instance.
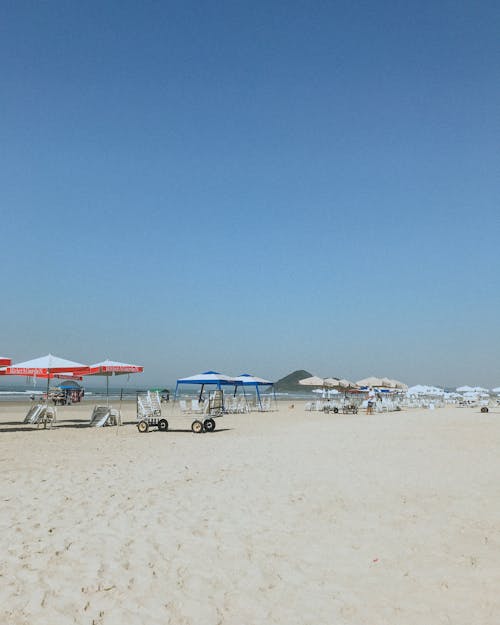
(399, 385)
(48, 366)
(313, 381)
(4, 361)
(420, 389)
(108, 368)
(59, 376)
(370, 381)
(382, 383)
(340, 384)
(71, 384)
(393, 384)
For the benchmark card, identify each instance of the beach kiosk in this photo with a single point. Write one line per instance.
(68, 392)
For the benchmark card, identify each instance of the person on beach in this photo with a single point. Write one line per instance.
(371, 401)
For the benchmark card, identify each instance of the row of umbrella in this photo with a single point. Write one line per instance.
(50, 366)
(341, 384)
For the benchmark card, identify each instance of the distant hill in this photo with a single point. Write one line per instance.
(291, 381)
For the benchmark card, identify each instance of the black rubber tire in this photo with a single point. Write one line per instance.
(143, 427)
(163, 425)
(209, 425)
(336, 410)
(197, 427)
(484, 409)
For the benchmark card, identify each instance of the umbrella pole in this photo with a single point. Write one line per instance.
(48, 382)
(107, 390)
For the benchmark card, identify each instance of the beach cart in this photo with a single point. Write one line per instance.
(202, 416)
(213, 408)
(349, 409)
(148, 411)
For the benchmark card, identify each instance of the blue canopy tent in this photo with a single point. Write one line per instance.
(207, 378)
(246, 380)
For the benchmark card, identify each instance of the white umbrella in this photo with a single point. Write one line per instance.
(396, 384)
(44, 367)
(420, 389)
(340, 384)
(371, 381)
(313, 381)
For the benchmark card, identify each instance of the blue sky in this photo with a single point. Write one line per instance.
(252, 186)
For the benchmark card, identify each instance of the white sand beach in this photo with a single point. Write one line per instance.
(288, 517)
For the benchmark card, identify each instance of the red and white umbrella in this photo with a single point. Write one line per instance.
(44, 367)
(109, 368)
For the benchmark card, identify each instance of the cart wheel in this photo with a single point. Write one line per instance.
(336, 410)
(163, 425)
(143, 427)
(197, 426)
(209, 425)
(484, 409)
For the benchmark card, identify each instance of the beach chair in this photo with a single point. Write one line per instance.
(154, 400)
(144, 408)
(216, 403)
(196, 406)
(41, 414)
(105, 415)
(34, 413)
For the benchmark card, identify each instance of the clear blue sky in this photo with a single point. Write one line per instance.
(253, 186)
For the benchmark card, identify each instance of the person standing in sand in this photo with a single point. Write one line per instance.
(371, 401)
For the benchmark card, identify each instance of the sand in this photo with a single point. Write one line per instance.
(288, 517)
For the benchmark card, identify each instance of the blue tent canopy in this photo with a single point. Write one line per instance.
(208, 377)
(205, 378)
(245, 379)
(70, 384)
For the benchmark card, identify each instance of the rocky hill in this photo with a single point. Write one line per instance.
(291, 381)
